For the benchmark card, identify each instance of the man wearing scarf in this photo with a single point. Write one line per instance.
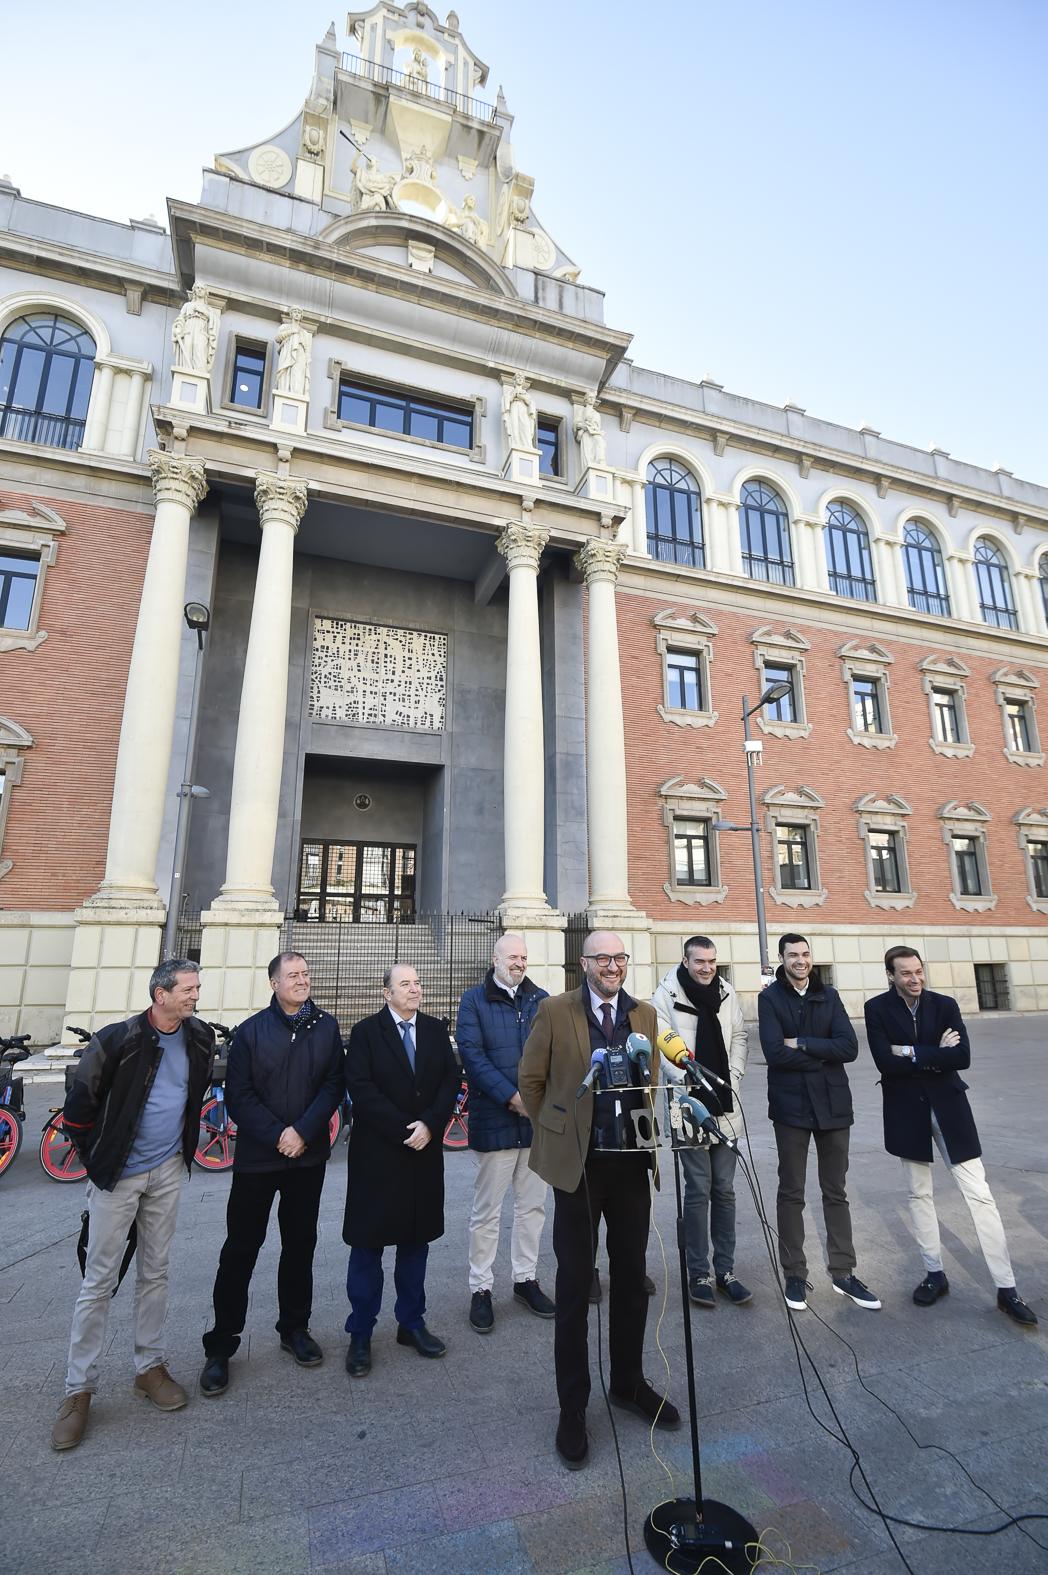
(695, 1002)
(285, 1080)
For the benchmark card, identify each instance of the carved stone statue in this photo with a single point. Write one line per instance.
(294, 349)
(373, 189)
(469, 223)
(518, 413)
(589, 434)
(194, 333)
(417, 74)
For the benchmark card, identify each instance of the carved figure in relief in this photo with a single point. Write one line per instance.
(518, 413)
(194, 333)
(417, 74)
(373, 189)
(469, 223)
(313, 142)
(294, 347)
(589, 434)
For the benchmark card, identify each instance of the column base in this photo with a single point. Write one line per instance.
(543, 932)
(114, 952)
(236, 946)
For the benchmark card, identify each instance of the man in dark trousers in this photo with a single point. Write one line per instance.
(402, 1077)
(920, 1045)
(571, 1134)
(285, 1080)
(807, 1039)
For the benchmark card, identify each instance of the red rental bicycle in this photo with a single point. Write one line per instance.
(456, 1133)
(58, 1154)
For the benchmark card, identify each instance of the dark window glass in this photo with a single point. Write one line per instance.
(866, 705)
(674, 511)
(947, 716)
(1039, 865)
(925, 573)
(848, 554)
(991, 984)
(969, 879)
(549, 448)
(691, 853)
(995, 587)
(1017, 722)
(18, 577)
(356, 882)
(784, 710)
(794, 868)
(1042, 575)
(884, 859)
(684, 680)
(46, 366)
(249, 370)
(387, 411)
(765, 528)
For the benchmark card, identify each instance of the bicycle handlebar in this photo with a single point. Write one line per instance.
(12, 1057)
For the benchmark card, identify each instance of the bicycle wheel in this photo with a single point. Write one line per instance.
(58, 1156)
(456, 1133)
(10, 1138)
(214, 1150)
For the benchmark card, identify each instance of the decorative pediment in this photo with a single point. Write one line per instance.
(856, 651)
(12, 736)
(943, 667)
(1014, 678)
(1032, 819)
(683, 623)
(890, 804)
(388, 238)
(40, 519)
(970, 812)
(801, 797)
(704, 791)
(780, 640)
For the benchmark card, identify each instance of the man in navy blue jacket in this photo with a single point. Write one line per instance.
(920, 1045)
(494, 1020)
(286, 1078)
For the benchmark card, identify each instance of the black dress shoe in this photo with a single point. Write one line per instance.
(530, 1292)
(301, 1345)
(1010, 1302)
(425, 1344)
(358, 1357)
(649, 1406)
(572, 1443)
(214, 1380)
(931, 1288)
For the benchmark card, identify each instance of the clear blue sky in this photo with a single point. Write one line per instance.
(841, 202)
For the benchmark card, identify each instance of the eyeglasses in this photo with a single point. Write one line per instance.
(604, 959)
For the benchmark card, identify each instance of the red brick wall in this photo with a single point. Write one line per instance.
(838, 770)
(69, 695)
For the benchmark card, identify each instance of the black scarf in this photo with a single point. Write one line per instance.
(710, 1050)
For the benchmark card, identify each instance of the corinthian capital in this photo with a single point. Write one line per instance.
(522, 545)
(599, 560)
(177, 479)
(280, 498)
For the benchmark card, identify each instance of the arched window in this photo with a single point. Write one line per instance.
(996, 602)
(46, 366)
(674, 511)
(1042, 575)
(848, 554)
(765, 529)
(925, 573)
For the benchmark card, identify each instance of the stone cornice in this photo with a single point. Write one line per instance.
(40, 258)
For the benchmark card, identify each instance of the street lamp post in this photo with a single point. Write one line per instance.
(198, 617)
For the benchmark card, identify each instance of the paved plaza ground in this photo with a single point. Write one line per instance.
(449, 1466)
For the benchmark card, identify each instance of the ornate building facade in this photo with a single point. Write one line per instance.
(485, 596)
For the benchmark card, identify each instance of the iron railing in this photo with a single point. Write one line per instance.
(188, 936)
(578, 928)
(358, 67)
(37, 426)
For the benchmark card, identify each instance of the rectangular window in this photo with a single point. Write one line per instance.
(249, 376)
(691, 853)
(1017, 724)
(1038, 852)
(18, 577)
(549, 447)
(794, 865)
(684, 681)
(991, 985)
(947, 716)
(866, 705)
(406, 414)
(966, 855)
(784, 710)
(884, 861)
(356, 883)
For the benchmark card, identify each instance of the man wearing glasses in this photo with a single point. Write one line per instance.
(573, 1148)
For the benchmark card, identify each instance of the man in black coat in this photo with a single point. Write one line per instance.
(402, 1077)
(807, 1039)
(283, 1084)
(920, 1045)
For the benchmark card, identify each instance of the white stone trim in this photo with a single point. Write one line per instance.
(1031, 825)
(868, 661)
(13, 740)
(968, 820)
(694, 635)
(796, 807)
(700, 800)
(886, 814)
(1016, 684)
(36, 534)
(947, 673)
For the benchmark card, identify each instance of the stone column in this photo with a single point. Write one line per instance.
(639, 519)
(524, 754)
(605, 736)
(960, 573)
(1028, 601)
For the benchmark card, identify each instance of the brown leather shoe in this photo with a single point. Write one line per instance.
(158, 1385)
(71, 1421)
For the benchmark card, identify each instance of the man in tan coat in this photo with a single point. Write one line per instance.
(570, 1150)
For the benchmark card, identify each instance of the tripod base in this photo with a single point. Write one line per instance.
(677, 1541)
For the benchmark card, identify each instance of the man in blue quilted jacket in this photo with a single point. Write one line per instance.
(494, 1020)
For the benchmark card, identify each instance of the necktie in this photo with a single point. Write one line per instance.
(606, 1021)
(409, 1043)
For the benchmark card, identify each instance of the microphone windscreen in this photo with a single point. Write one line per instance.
(672, 1046)
(639, 1044)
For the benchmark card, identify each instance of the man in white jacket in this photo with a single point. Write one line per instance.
(694, 1002)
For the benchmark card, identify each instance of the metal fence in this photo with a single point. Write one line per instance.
(188, 937)
(577, 930)
(476, 107)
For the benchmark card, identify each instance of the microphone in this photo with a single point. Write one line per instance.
(706, 1122)
(638, 1047)
(597, 1063)
(672, 1046)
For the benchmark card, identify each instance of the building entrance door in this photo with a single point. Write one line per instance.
(357, 882)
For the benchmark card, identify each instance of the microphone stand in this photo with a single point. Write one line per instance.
(682, 1532)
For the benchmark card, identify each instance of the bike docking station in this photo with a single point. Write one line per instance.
(680, 1533)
